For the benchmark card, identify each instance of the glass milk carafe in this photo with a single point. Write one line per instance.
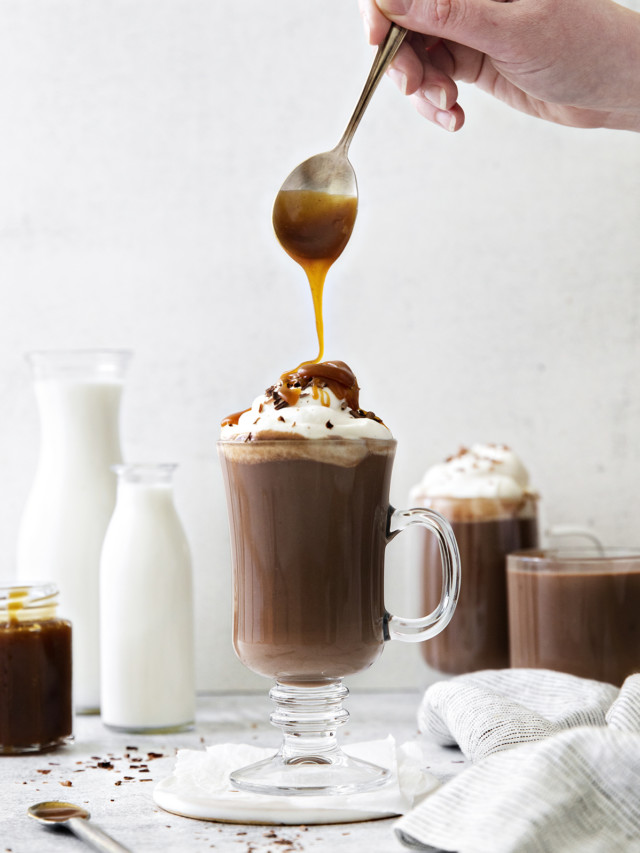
(78, 395)
(146, 607)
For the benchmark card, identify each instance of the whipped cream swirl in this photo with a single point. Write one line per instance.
(317, 400)
(482, 471)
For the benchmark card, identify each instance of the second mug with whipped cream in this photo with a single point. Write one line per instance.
(485, 494)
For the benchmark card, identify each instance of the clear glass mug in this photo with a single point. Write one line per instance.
(310, 520)
(576, 611)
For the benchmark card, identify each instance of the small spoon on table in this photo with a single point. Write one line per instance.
(77, 820)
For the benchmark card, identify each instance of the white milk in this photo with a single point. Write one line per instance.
(146, 608)
(73, 495)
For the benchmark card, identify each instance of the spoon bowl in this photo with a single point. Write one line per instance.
(55, 811)
(76, 818)
(331, 172)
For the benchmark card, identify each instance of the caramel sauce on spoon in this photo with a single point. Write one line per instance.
(313, 228)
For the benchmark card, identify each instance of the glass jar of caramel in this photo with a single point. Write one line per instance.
(35, 670)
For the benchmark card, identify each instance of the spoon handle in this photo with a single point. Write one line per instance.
(94, 836)
(385, 53)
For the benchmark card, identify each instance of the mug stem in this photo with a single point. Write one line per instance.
(310, 760)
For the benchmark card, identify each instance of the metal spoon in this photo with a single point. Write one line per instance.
(77, 819)
(331, 172)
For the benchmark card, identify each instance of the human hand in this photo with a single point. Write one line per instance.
(575, 62)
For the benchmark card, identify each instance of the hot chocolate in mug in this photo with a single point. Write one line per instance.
(310, 520)
(576, 611)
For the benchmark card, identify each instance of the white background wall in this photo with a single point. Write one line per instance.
(491, 290)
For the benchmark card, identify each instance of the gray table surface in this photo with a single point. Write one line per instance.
(103, 772)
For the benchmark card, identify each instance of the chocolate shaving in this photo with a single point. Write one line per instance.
(360, 413)
(279, 402)
(329, 425)
(462, 451)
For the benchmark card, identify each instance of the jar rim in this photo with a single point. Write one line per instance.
(29, 601)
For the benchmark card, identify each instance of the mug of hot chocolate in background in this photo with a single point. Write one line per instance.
(576, 611)
(486, 529)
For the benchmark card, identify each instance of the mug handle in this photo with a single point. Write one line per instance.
(425, 627)
(560, 530)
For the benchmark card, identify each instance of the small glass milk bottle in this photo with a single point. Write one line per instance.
(146, 608)
(78, 393)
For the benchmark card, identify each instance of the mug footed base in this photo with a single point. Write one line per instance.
(310, 776)
(310, 762)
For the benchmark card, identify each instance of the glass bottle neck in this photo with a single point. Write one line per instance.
(79, 365)
(80, 421)
(146, 474)
(149, 486)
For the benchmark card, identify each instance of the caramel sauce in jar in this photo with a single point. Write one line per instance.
(35, 670)
(313, 228)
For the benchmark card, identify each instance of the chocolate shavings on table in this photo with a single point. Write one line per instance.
(137, 763)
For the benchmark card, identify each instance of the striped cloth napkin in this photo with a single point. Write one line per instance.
(555, 765)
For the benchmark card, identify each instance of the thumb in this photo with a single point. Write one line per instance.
(475, 23)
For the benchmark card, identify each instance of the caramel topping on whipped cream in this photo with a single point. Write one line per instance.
(316, 400)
